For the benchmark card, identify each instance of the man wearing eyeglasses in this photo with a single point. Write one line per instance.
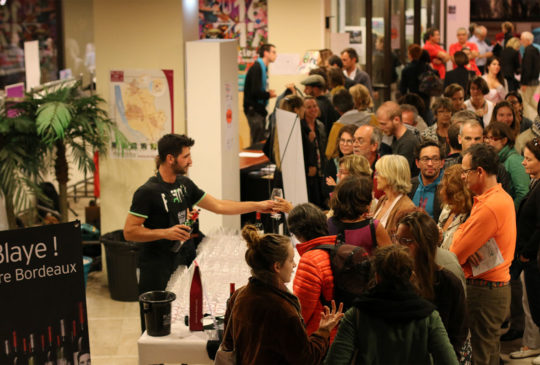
(429, 160)
(492, 223)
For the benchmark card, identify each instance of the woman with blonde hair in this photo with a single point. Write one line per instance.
(351, 165)
(394, 179)
(457, 203)
(362, 101)
(266, 303)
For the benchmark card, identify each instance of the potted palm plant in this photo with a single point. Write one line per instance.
(68, 118)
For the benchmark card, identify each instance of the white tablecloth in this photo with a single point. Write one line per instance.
(180, 347)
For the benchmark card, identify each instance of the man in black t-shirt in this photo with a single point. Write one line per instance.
(159, 210)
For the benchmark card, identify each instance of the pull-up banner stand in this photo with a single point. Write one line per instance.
(43, 303)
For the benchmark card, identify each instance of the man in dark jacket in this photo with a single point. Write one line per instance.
(255, 92)
(530, 68)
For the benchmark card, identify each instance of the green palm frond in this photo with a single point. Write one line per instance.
(83, 156)
(52, 120)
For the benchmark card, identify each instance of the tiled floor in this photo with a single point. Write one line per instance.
(114, 326)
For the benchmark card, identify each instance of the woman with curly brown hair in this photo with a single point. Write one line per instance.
(457, 203)
(264, 324)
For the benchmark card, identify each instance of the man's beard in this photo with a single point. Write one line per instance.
(179, 170)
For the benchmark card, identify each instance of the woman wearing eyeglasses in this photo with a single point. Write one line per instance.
(502, 138)
(527, 244)
(419, 233)
(343, 147)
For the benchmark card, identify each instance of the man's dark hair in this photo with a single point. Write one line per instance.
(483, 156)
(430, 32)
(461, 58)
(453, 133)
(414, 100)
(307, 221)
(343, 101)
(424, 144)
(173, 144)
(351, 52)
(335, 60)
(265, 48)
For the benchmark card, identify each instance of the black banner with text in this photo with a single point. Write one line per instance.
(43, 316)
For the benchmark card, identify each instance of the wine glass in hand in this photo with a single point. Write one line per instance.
(276, 192)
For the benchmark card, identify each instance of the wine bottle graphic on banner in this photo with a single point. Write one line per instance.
(64, 353)
(50, 355)
(16, 355)
(7, 356)
(33, 353)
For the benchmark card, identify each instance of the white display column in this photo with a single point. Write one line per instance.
(212, 120)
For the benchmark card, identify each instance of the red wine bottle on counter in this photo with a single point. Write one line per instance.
(64, 352)
(50, 354)
(195, 301)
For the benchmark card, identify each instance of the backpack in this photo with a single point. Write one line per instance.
(429, 83)
(351, 268)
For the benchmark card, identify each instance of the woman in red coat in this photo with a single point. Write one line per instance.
(313, 278)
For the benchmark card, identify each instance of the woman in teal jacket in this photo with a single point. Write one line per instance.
(391, 323)
(501, 137)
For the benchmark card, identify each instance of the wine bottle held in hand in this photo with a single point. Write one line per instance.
(276, 193)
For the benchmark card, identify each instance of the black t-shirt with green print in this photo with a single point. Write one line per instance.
(164, 205)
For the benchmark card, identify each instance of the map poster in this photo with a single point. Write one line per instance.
(141, 103)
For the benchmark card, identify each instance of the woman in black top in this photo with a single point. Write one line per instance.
(510, 63)
(528, 228)
(419, 232)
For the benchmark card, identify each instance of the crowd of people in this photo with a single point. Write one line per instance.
(442, 195)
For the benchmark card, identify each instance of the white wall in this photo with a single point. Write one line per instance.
(136, 34)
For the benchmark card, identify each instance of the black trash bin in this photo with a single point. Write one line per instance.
(122, 263)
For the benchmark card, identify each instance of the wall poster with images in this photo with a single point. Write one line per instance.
(43, 317)
(246, 21)
(30, 20)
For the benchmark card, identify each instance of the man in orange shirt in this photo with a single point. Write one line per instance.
(492, 219)
(437, 54)
(470, 49)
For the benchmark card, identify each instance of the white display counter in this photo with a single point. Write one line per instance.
(180, 347)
